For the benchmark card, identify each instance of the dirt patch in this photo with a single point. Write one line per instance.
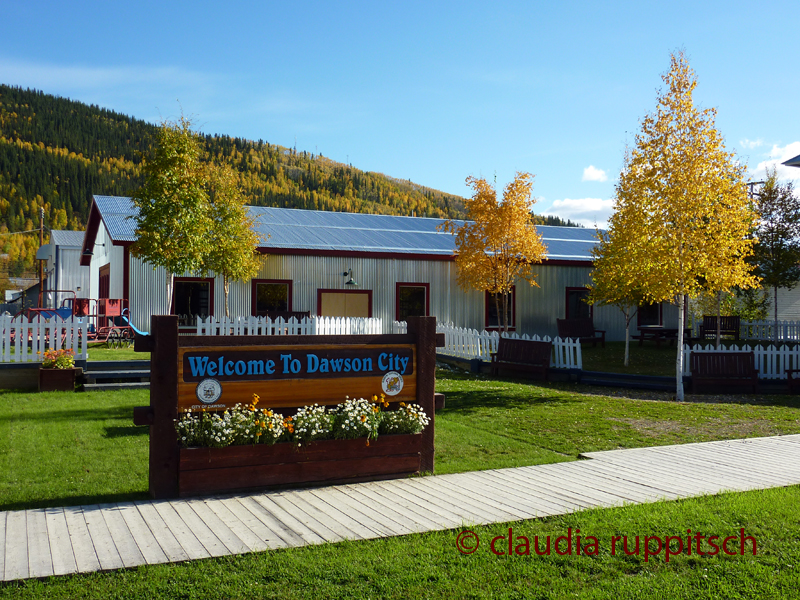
(709, 428)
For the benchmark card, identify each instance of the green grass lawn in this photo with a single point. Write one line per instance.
(67, 449)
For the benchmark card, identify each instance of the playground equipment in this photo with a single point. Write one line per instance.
(108, 318)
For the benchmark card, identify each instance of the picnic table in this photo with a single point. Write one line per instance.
(659, 333)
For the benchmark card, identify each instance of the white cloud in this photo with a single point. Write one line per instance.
(750, 144)
(589, 212)
(592, 173)
(776, 156)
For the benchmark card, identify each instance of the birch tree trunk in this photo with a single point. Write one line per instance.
(679, 359)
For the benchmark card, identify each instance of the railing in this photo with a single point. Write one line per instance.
(771, 362)
(27, 341)
(470, 344)
(307, 326)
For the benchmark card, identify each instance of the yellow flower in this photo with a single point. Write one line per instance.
(374, 409)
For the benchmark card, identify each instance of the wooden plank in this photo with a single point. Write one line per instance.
(553, 501)
(617, 478)
(3, 516)
(709, 478)
(39, 562)
(16, 548)
(374, 508)
(182, 531)
(145, 541)
(103, 543)
(724, 464)
(462, 508)
(555, 481)
(552, 488)
(446, 492)
(320, 521)
(310, 530)
(268, 512)
(212, 544)
(481, 491)
(81, 541)
(267, 535)
(167, 542)
(535, 507)
(126, 545)
(644, 477)
(391, 490)
(241, 529)
(581, 475)
(61, 551)
(423, 519)
(545, 505)
(381, 521)
(218, 527)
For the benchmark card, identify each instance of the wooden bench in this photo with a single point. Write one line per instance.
(581, 329)
(522, 355)
(724, 368)
(727, 326)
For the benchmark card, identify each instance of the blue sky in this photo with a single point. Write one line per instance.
(427, 91)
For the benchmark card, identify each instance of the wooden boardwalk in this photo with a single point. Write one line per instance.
(82, 539)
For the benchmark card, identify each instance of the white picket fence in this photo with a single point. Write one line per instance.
(470, 344)
(765, 330)
(771, 362)
(306, 326)
(26, 341)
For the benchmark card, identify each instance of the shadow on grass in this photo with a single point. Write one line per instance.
(79, 500)
(84, 414)
(132, 430)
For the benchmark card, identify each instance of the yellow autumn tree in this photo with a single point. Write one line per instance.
(617, 274)
(499, 243)
(681, 202)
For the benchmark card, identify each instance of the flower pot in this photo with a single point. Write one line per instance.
(235, 468)
(58, 380)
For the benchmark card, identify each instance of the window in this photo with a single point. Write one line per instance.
(577, 308)
(271, 295)
(412, 300)
(192, 297)
(649, 314)
(344, 303)
(493, 307)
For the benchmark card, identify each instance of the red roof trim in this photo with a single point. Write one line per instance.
(92, 226)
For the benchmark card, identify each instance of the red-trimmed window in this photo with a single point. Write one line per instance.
(577, 308)
(491, 316)
(271, 295)
(412, 300)
(344, 303)
(192, 297)
(650, 314)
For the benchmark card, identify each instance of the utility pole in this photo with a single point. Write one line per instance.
(41, 243)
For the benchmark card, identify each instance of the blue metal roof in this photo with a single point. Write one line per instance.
(64, 238)
(313, 230)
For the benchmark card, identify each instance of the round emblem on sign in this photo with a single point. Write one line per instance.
(392, 383)
(209, 391)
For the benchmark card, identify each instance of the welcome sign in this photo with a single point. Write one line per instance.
(216, 378)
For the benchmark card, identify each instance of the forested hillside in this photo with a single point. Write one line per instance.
(56, 153)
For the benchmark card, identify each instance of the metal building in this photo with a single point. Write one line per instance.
(345, 264)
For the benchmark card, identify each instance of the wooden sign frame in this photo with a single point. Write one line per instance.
(172, 387)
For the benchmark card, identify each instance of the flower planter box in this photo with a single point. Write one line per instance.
(238, 468)
(58, 380)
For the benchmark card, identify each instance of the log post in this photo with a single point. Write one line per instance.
(164, 451)
(424, 329)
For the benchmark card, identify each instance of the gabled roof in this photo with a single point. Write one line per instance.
(63, 238)
(295, 231)
(793, 162)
